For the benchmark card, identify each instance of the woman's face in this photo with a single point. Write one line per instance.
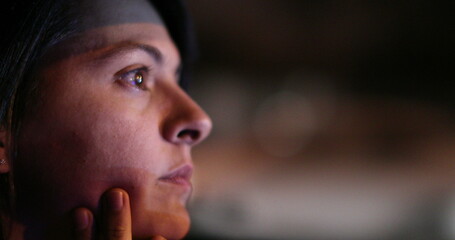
(110, 113)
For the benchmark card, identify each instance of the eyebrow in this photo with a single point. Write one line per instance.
(125, 47)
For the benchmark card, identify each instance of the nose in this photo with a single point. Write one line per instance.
(186, 122)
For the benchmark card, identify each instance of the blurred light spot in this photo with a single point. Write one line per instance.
(449, 228)
(284, 123)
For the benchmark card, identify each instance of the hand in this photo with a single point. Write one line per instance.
(115, 219)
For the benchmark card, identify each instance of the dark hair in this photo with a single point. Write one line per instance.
(30, 28)
(178, 22)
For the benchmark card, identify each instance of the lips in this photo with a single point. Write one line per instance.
(181, 176)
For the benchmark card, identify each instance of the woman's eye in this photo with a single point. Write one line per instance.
(134, 78)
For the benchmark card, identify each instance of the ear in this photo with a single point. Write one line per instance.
(4, 161)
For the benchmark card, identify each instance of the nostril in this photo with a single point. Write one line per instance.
(189, 135)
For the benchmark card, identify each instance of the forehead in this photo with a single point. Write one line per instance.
(105, 38)
(146, 33)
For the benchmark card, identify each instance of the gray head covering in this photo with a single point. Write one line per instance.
(101, 13)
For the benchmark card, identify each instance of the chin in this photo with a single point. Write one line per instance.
(176, 228)
(171, 226)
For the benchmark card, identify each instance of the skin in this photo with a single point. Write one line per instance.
(93, 128)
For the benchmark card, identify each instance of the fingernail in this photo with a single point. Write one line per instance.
(81, 220)
(115, 200)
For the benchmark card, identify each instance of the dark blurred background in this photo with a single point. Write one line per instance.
(332, 119)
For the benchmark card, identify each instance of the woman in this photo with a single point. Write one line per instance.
(96, 129)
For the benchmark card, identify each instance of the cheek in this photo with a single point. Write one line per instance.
(74, 166)
(73, 150)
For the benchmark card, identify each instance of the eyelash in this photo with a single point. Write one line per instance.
(135, 78)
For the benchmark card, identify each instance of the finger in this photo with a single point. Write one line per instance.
(158, 238)
(116, 215)
(82, 224)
